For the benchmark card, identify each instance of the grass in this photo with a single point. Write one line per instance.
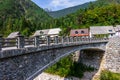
(107, 75)
(66, 67)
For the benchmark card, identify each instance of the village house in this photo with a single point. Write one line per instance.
(54, 32)
(102, 31)
(117, 30)
(14, 34)
(51, 32)
(79, 32)
(41, 32)
(10, 37)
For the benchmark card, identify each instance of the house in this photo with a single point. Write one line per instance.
(41, 32)
(117, 30)
(79, 32)
(54, 32)
(51, 32)
(102, 31)
(14, 34)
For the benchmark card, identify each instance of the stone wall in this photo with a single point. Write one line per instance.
(27, 63)
(91, 57)
(111, 60)
(76, 56)
(28, 66)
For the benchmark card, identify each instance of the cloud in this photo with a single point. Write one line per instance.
(61, 3)
(57, 4)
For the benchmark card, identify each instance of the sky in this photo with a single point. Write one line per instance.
(55, 5)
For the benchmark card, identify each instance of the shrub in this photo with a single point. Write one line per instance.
(107, 75)
(66, 67)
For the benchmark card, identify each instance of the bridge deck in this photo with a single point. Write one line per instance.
(22, 42)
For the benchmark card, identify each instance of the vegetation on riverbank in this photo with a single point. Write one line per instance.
(107, 75)
(67, 67)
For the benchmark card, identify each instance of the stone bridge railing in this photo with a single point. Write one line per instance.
(26, 62)
(21, 41)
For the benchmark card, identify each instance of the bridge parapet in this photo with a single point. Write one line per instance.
(27, 50)
(21, 41)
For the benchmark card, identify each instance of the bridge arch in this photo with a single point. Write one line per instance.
(92, 57)
(71, 49)
(27, 63)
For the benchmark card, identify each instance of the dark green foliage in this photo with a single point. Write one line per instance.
(107, 75)
(97, 16)
(26, 17)
(22, 15)
(66, 67)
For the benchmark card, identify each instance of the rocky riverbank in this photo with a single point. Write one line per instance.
(46, 76)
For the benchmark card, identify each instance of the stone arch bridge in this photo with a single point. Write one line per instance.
(25, 63)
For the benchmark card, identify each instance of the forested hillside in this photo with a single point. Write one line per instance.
(21, 15)
(101, 12)
(97, 3)
(64, 12)
(105, 15)
(26, 17)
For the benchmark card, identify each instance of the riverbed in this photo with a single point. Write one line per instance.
(46, 76)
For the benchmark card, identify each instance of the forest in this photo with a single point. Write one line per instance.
(26, 17)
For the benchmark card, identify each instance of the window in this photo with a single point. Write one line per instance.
(110, 30)
(76, 32)
(41, 32)
(82, 32)
(111, 34)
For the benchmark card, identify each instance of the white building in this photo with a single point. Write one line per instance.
(14, 34)
(54, 32)
(104, 31)
(117, 30)
(51, 32)
(41, 32)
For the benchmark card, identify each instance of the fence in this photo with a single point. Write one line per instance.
(21, 41)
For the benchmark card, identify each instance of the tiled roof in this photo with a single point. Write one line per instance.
(13, 35)
(54, 31)
(41, 32)
(47, 32)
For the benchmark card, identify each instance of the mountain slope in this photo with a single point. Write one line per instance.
(98, 16)
(64, 12)
(98, 3)
(18, 8)
(17, 14)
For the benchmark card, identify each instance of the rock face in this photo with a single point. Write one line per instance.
(111, 58)
(46, 76)
(112, 55)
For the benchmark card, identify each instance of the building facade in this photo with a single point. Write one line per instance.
(117, 30)
(102, 31)
(48, 32)
(79, 32)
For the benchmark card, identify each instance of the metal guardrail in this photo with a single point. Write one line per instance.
(21, 41)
